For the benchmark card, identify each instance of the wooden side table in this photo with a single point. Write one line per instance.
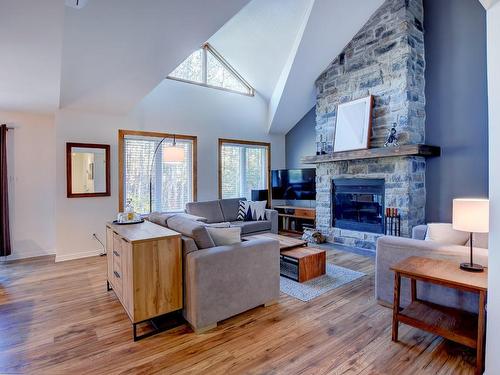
(145, 272)
(453, 324)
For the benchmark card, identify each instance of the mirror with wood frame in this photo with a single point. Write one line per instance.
(87, 170)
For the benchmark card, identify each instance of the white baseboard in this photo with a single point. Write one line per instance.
(27, 254)
(72, 256)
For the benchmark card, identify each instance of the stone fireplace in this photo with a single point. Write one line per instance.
(385, 59)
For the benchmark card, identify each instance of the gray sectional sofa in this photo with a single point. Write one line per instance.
(391, 250)
(226, 210)
(221, 281)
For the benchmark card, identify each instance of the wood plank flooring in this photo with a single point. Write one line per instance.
(57, 318)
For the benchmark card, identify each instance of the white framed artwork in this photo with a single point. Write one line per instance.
(352, 131)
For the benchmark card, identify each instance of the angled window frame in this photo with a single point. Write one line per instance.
(208, 48)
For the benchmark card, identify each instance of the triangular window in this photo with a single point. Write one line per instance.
(206, 67)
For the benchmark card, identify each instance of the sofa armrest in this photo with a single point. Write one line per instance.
(418, 232)
(224, 281)
(272, 216)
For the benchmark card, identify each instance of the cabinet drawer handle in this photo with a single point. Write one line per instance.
(116, 253)
(116, 274)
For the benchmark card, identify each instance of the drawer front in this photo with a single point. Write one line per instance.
(116, 255)
(305, 213)
(109, 252)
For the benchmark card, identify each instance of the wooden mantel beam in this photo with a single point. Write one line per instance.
(373, 153)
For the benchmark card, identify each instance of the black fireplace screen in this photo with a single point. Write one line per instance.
(358, 204)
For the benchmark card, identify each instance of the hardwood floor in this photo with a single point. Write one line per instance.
(57, 318)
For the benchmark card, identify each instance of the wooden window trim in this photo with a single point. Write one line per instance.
(121, 149)
(223, 141)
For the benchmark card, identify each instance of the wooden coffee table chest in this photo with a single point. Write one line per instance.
(297, 261)
(303, 263)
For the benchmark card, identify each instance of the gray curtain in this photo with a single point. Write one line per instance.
(5, 247)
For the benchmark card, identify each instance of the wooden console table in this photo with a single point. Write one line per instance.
(465, 328)
(145, 271)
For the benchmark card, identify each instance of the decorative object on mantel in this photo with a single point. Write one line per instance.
(392, 139)
(392, 222)
(320, 146)
(373, 153)
(353, 127)
(471, 215)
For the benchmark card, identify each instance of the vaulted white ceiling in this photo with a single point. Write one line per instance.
(488, 3)
(117, 51)
(30, 57)
(330, 26)
(258, 40)
(105, 56)
(108, 55)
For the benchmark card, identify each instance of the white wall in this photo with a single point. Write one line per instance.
(31, 169)
(493, 337)
(174, 107)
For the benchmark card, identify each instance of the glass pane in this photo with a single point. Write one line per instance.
(88, 170)
(191, 68)
(256, 170)
(244, 168)
(218, 75)
(231, 171)
(171, 183)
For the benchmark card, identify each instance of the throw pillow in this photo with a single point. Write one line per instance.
(445, 234)
(225, 236)
(479, 240)
(252, 211)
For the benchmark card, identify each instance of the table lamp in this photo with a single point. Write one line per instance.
(471, 215)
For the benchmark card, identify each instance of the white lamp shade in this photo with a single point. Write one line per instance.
(471, 215)
(173, 154)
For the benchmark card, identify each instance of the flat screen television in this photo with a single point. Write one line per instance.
(294, 184)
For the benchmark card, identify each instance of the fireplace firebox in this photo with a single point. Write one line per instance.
(358, 204)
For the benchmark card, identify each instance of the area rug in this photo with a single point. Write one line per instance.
(335, 277)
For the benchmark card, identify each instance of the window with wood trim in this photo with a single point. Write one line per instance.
(173, 184)
(243, 166)
(206, 67)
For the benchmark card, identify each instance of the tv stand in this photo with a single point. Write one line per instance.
(295, 219)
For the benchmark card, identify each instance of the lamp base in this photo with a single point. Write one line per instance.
(471, 267)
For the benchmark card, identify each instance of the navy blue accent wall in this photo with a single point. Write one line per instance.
(301, 141)
(456, 106)
(457, 103)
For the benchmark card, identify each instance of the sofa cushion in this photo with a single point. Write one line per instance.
(161, 218)
(224, 224)
(193, 229)
(248, 227)
(225, 236)
(445, 234)
(210, 210)
(230, 208)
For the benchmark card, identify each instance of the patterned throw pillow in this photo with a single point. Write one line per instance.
(252, 211)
